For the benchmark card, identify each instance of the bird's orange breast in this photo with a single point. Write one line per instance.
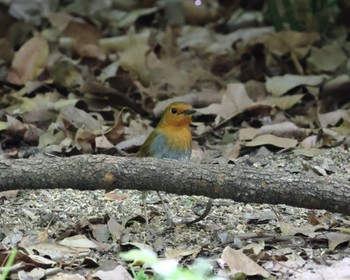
(179, 138)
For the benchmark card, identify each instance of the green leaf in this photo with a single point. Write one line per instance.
(146, 256)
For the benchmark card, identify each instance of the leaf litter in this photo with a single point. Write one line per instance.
(94, 79)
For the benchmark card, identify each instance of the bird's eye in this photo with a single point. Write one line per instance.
(173, 110)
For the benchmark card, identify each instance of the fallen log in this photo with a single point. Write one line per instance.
(241, 184)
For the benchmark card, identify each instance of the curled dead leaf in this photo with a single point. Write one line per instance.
(29, 61)
(269, 139)
(239, 262)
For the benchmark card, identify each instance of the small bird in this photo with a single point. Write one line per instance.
(171, 139)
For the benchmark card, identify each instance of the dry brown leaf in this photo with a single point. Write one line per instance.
(279, 129)
(339, 269)
(27, 132)
(279, 85)
(100, 232)
(139, 245)
(121, 43)
(29, 61)
(178, 254)
(239, 262)
(332, 118)
(234, 101)
(9, 194)
(334, 238)
(202, 39)
(284, 102)
(313, 219)
(115, 229)
(56, 252)
(167, 72)
(78, 241)
(307, 230)
(118, 273)
(37, 108)
(86, 36)
(312, 152)
(284, 42)
(103, 143)
(116, 133)
(248, 133)
(269, 139)
(133, 59)
(309, 142)
(255, 248)
(85, 140)
(212, 109)
(71, 115)
(284, 129)
(328, 58)
(67, 276)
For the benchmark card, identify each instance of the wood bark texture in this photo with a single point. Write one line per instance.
(90, 172)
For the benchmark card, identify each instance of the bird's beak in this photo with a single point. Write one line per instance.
(189, 112)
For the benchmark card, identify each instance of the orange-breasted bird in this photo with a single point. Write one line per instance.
(171, 139)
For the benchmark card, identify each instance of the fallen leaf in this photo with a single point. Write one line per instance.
(29, 61)
(283, 102)
(280, 85)
(118, 273)
(282, 43)
(67, 276)
(256, 248)
(28, 132)
(103, 143)
(56, 251)
(78, 241)
(86, 36)
(139, 245)
(115, 229)
(116, 133)
(311, 152)
(313, 219)
(334, 238)
(328, 58)
(133, 15)
(284, 129)
(9, 194)
(339, 269)
(36, 273)
(234, 101)
(100, 232)
(332, 118)
(202, 39)
(239, 262)
(178, 254)
(78, 118)
(269, 139)
(289, 229)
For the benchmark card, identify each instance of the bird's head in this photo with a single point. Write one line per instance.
(177, 114)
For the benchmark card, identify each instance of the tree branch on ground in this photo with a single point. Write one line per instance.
(241, 184)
